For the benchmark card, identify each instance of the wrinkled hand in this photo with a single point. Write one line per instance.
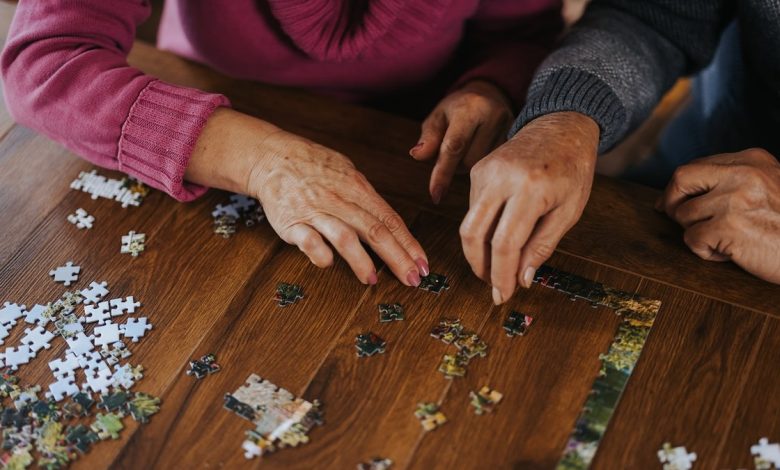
(463, 128)
(525, 196)
(309, 192)
(729, 206)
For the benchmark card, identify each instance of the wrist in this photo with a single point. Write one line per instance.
(490, 89)
(229, 150)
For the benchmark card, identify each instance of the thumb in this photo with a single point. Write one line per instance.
(541, 245)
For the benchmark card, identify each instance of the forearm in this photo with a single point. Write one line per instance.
(66, 75)
(617, 62)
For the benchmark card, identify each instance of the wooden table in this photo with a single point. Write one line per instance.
(707, 378)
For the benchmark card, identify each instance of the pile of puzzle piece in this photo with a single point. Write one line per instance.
(56, 429)
(128, 191)
(240, 207)
(281, 420)
(468, 344)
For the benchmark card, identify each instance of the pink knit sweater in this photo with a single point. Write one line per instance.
(65, 72)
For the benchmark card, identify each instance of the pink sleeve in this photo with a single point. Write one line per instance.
(506, 40)
(65, 74)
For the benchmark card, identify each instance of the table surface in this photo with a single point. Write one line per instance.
(707, 377)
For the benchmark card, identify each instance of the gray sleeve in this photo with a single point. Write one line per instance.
(619, 60)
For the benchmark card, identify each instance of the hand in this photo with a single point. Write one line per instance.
(729, 206)
(309, 193)
(462, 129)
(525, 196)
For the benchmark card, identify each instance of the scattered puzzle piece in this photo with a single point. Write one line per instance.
(470, 345)
(676, 458)
(107, 425)
(113, 401)
(95, 292)
(15, 357)
(81, 437)
(36, 315)
(10, 313)
(447, 330)
(377, 463)
(135, 328)
(434, 283)
(64, 386)
(368, 344)
(204, 366)
(517, 324)
(81, 219)
(142, 406)
(122, 306)
(391, 312)
(453, 366)
(429, 415)
(37, 338)
(107, 333)
(287, 294)
(66, 274)
(766, 455)
(485, 400)
(133, 243)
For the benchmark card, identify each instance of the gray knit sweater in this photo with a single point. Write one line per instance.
(623, 55)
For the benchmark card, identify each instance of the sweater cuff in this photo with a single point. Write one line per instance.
(571, 89)
(160, 133)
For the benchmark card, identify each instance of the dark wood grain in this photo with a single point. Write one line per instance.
(757, 412)
(706, 379)
(545, 377)
(688, 384)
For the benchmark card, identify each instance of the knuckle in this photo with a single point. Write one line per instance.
(759, 154)
(344, 238)
(680, 174)
(392, 221)
(377, 232)
(542, 250)
(454, 145)
(309, 243)
(502, 244)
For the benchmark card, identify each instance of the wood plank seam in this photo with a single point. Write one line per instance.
(745, 376)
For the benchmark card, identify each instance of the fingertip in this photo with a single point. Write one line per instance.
(372, 279)
(528, 277)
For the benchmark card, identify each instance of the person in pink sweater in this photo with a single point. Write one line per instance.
(65, 74)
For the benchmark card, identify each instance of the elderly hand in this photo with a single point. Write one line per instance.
(729, 206)
(525, 196)
(462, 129)
(309, 193)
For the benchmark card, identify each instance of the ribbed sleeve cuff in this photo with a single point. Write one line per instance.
(160, 133)
(576, 90)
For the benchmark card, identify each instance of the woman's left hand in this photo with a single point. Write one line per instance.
(463, 128)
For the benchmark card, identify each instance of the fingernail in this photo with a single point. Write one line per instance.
(372, 280)
(423, 266)
(528, 276)
(416, 147)
(497, 296)
(413, 278)
(436, 194)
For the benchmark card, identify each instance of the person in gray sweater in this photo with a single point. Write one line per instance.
(722, 180)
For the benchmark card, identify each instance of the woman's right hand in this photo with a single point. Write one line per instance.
(309, 193)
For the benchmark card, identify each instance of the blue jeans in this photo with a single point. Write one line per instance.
(715, 121)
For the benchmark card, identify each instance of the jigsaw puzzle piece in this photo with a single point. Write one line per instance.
(10, 312)
(135, 328)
